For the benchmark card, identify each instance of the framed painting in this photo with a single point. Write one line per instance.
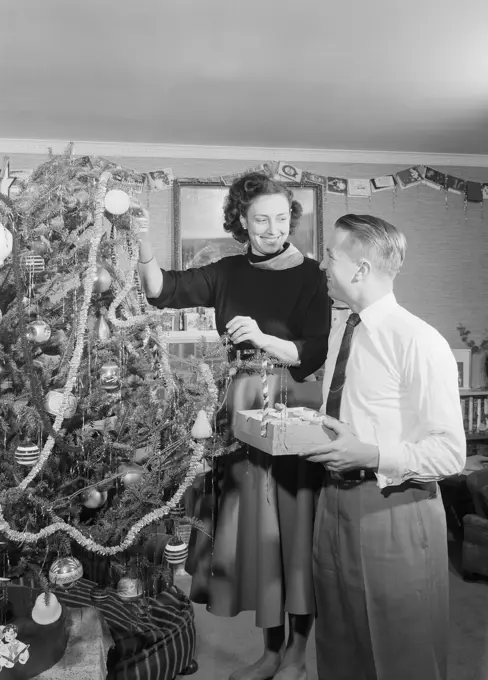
(199, 236)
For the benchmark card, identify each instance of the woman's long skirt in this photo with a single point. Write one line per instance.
(259, 511)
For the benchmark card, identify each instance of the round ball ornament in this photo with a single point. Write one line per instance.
(39, 331)
(27, 454)
(129, 589)
(33, 264)
(117, 202)
(6, 241)
(54, 401)
(131, 474)
(176, 552)
(102, 281)
(65, 571)
(93, 498)
(110, 376)
(38, 247)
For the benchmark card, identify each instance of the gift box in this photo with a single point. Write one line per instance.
(287, 432)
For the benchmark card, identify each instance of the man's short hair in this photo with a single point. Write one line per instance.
(378, 240)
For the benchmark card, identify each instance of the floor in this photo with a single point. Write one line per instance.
(227, 644)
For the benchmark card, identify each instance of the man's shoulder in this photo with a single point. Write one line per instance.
(411, 329)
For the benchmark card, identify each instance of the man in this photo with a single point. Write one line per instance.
(380, 547)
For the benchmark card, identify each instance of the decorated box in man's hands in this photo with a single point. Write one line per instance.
(286, 432)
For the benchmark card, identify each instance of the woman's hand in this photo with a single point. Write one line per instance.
(245, 329)
(140, 219)
(136, 216)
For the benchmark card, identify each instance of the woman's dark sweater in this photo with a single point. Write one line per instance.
(291, 304)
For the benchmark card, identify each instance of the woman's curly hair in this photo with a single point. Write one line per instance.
(244, 191)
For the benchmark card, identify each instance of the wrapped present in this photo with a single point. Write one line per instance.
(286, 432)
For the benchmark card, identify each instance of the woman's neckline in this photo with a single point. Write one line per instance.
(252, 257)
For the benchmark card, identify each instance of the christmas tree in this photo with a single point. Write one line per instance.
(97, 435)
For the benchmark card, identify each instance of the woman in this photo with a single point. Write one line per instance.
(272, 299)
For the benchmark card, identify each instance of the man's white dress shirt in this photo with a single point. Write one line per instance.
(401, 394)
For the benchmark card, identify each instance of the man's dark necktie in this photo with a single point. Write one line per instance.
(333, 406)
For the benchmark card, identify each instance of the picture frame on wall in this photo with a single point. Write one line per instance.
(199, 236)
(463, 360)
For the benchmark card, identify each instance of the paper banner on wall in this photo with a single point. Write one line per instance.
(337, 185)
(289, 172)
(314, 178)
(127, 180)
(409, 178)
(455, 185)
(158, 180)
(359, 188)
(383, 183)
(474, 193)
(434, 178)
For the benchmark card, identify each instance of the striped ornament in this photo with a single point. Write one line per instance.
(176, 554)
(65, 570)
(33, 264)
(27, 455)
(99, 594)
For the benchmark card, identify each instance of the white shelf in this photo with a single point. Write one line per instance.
(194, 336)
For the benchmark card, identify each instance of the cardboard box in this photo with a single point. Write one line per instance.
(296, 430)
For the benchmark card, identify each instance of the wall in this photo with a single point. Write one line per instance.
(445, 276)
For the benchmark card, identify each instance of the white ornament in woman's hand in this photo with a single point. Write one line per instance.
(245, 329)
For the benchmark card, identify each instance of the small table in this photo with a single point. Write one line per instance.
(86, 653)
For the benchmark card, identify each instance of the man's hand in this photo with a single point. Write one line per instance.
(245, 329)
(345, 452)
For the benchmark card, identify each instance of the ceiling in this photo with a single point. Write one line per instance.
(313, 74)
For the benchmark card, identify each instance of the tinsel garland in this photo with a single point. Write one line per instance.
(74, 364)
(90, 544)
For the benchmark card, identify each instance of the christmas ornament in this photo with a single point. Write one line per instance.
(117, 202)
(33, 264)
(46, 609)
(38, 331)
(131, 474)
(129, 588)
(39, 247)
(176, 552)
(99, 594)
(110, 376)
(27, 454)
(65, 571)
(70, 203)
(201, 427)
(93, 498)
(102, 329)
(102, 281)
(54, 400)
(5, 243)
